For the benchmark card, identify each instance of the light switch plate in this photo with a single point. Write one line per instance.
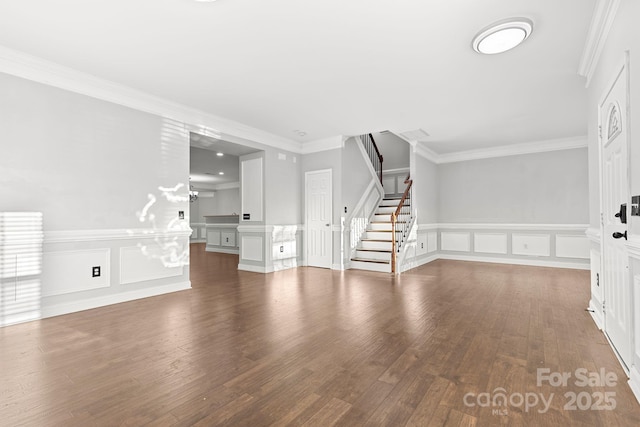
(635, 206)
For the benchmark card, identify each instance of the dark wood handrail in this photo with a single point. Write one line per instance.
(380, 158)
(394, 220)
(376, 147)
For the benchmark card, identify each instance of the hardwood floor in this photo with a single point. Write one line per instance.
(318, 347)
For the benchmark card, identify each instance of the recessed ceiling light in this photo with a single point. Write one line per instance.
(502, 36)
(219, 154)
(220, 173)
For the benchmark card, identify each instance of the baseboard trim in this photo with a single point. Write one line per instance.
(90, 303)
(634, 382)
(255, 268)
(223, 251)
(419, 263)
(596, 315)
(518, 261)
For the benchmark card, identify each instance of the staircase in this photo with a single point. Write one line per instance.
(374, 252)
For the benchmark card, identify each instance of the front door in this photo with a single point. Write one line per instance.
(318, 199)
(615, 192)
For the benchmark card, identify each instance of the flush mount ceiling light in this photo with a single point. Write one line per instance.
(502, 36)
(219, 154)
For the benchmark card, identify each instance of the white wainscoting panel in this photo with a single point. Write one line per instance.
(432, 241)
(490, 243)
(213, 237)
(531, 244)
(65, 272)
(422, 244)
(136, 266)
(571, 246)
(252, 248)
(456, 241)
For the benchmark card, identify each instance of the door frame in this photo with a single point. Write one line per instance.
(306, 213)
(622, 68)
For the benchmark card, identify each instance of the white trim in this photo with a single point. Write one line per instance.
(596, 315)
(89, 303)
(528, 227)
(255, 268)
(633, 247)
(69, 236)
(427, 227)
(325, 144)
(222, 250)
(418, 263)
(601, 23)
(255, 228)
(426, 153)
(338, 267)
(593, 234)
(227, 186)
(515, 149)
(517, 261)
(634, 381)
(396, 170)
(39, 70)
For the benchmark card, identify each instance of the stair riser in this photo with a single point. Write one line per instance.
(381, 235)
(387, 217)
(384, 256)
(391, 202)
(386, 226)
(371, 266)
(384, 246)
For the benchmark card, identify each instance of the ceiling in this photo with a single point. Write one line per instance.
(307, 70)
(205, 164)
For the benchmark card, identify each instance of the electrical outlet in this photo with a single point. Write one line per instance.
(281, 248)
(95, 271)
(180, 214)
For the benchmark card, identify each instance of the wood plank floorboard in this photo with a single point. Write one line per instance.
(315, 347)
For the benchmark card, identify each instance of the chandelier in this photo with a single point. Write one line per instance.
(193, 194)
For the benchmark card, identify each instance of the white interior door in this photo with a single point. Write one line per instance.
(318, 199)
(615, 266)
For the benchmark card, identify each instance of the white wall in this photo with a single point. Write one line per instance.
(541, 188)
(109, 181)
(426, 184)
(395, 151)
(86, 163)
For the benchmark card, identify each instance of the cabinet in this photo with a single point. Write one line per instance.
(222, 233)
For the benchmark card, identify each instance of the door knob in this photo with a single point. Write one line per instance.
(618, 235)
(327, 225)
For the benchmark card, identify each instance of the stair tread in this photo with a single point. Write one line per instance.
(375, 261)
(385, 251)
(387, 222)
(375, 240)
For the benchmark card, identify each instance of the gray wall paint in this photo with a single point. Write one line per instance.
(425, 189)
(223, 202)
(283, 189)
(356, 176)
(541, 188)
(86, 163)
(394, 150)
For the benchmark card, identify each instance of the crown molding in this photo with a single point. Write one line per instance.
(32, 68)
(603, 16)
(515, 149)
(325, 144)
